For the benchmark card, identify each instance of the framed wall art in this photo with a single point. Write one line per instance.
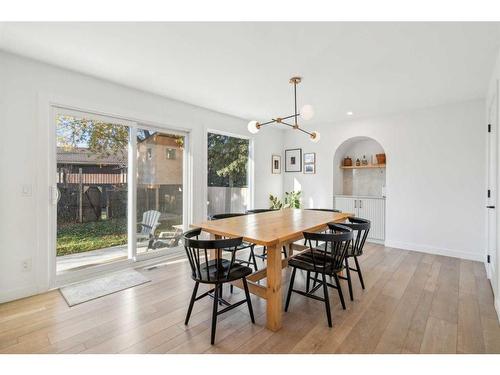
(310, 163)
(276, 164)
(293, 160)
(309, 168)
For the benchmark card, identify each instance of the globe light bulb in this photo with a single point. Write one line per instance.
(253, 127)
(307, 112)
(315, 137)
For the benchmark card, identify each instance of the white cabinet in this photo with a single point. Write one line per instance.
(372, 209)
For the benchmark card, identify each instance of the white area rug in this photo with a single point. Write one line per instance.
(102, 286)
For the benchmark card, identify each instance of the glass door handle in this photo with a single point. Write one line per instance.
(54, 195)
(490, 206)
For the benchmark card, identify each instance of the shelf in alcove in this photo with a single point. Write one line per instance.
(363, 166)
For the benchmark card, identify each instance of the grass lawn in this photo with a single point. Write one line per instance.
(80, 237)
(76, 238)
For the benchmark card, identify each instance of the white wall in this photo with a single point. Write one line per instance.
(435, 175)
(26, 88)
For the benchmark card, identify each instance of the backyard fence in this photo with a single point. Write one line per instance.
(85, 197)
(226, 199)
(91, 178)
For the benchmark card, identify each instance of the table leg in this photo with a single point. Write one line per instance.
(214, 253)
(274, 297)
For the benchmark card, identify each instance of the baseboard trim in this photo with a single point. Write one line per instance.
(435, 250)
(19, 293)
(378, 242)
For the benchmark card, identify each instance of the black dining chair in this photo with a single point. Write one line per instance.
(320, 209)
(260, 210)
(360, 228)
(244, 245)
(323, 261)
(264, 250)
(323, 209)
(215, 272)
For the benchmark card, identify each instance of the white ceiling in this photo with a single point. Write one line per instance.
(243, 68)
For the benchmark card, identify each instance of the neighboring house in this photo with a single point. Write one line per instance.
(95, 169)
(160, 160)
(160, 173)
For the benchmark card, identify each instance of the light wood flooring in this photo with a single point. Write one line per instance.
(413, 303)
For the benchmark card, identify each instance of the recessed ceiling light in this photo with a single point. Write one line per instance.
(349, 113)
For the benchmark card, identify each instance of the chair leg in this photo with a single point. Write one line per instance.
(150, 243)
(284, 252)
(191, 303)
(252, 254)
(231, 288)
(220, 293)
(249, 301)
(290, 287)
(349, 281)
(339, 289)
(315, 278)
(359, 272)
(214, 314)
(327, 301)
(308, 281)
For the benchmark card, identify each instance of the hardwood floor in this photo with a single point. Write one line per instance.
(413, 303)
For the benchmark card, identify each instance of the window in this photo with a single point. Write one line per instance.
(171, 153)
(227, 174)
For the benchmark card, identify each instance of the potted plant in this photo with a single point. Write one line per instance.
(292, 200)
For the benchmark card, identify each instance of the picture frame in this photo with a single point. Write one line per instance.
(309, 163)
(276, 164)
(310, 168)
(293, 160)
(309, 158)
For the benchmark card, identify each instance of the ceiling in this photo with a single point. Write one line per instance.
(243, 68)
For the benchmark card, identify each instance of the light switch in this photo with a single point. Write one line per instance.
(26, 190)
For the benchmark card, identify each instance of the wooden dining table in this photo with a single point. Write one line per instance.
(274, 230)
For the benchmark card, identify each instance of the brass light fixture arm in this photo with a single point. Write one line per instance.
(295, 81)
(279, 120)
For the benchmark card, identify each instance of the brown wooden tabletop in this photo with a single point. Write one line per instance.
(272, 229)
(269, 228)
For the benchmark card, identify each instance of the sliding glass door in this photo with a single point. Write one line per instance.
(160, 190)
(92, 189)
(120, 190)
(228, 166)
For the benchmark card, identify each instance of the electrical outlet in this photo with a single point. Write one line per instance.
(26, 265)
(27, 190)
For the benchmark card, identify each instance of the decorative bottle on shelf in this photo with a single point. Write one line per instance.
(364, 161)
(358, 163)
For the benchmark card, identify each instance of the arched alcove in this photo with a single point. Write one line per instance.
(360, 190)
(363, 181)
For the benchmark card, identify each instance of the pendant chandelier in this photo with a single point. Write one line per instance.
(306, 113)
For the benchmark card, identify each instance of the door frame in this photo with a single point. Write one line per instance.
(55, 280)
(492, 112)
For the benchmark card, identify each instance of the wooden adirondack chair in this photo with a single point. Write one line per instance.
(150, 221)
